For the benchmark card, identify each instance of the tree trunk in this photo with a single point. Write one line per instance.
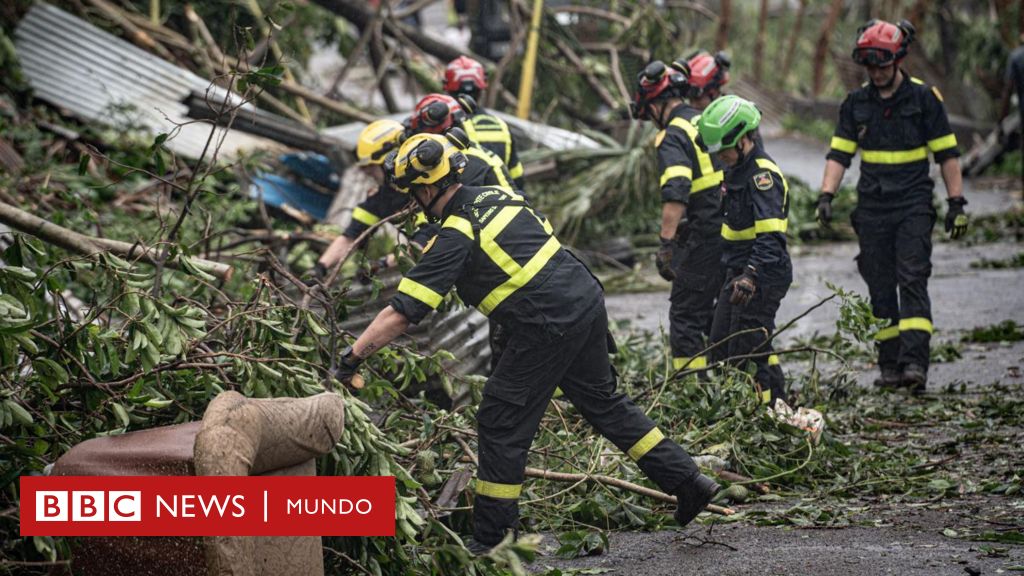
(357, 12)
(724, 21)
(917, 13)
(824, 40)
(787, 63)
(1003, 8)
(380, 63)
(762, 24)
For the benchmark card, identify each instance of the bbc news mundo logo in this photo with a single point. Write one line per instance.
(207, 506)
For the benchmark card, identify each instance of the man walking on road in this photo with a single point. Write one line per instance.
(895, 120)
(756, 259)
(691, 245)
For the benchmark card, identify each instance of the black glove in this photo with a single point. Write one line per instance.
(663, 259)
(956, 219)
(346, 371)
(743, 288)
(824, 212)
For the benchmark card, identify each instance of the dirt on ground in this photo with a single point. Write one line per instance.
(887, 534)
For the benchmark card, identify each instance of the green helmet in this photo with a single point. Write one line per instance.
(727, 119)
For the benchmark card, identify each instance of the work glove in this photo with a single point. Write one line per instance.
(663, 259)
(824, 211)
(743, 288)
(365, 277)
(346, 371)
(956, 219)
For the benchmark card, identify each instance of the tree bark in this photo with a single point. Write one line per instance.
(787, 63)
(72, 241)
(724, 21)
(762, 24)
(824, 40)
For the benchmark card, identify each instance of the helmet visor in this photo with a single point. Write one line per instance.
(873, 57)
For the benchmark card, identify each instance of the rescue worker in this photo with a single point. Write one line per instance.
(503, 259)
(441, 114)
(464, 77)
(691, 245)
(375, 142)
(706, 75)
(895, 120)
(438, 114)
(758, 268)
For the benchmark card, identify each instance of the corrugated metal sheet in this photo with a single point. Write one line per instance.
(539, 134)
(99, 77)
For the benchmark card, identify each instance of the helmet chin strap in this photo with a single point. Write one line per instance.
(429, 206)
(660, 120)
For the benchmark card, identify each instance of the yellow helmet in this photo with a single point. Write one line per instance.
(377, 139)
(425, 159)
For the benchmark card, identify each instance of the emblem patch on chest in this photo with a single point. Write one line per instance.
(764, 181)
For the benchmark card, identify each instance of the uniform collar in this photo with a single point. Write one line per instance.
(457, 200)
(899, 93)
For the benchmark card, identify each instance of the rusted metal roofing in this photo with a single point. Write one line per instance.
(99, 77)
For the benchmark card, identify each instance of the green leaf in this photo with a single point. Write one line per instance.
(121, 413)
(83, 164)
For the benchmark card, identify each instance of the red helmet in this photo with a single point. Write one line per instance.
(880, 43)
(464, 75)
(653, 83)
(706, 72)
(435, 114)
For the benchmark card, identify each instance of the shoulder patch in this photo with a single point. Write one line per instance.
(937, 94)
(764, 180)
(430, 244)
(657, 139)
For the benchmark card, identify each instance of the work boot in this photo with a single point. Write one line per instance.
(889, 378)
(477, 548)
(693, 497)
(915, 378)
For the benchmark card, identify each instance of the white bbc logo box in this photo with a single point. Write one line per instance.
(89, 506)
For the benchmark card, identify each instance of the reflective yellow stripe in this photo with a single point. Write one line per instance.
(843, 145)
(707, 167)
(516, 171)
(943, 143)
(459, 223)
(496, 490)
(495, 163)
(916, 80)
(703, 183)
(769, 225)
(420, 219)
(765, 226)
(887, 333)
(773, 360)
(894, 156)
(766, 396)
(419, 292)
(676, 172)
(521, 278)
(364, 216)
(687, 362)
(737, 235)
(922, 324)
(491, 231)
(644, 445)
